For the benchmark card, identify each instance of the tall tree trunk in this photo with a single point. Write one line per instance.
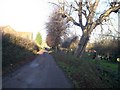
(82, 45)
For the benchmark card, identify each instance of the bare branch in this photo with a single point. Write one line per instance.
(95, 5)
(84, 13)
(93, 8)
(90, 5)
(114, 27)
(80, 13)
(76, 2)
(87, 6)
(54, 4)
(72, 7)
(101, 28)
(69, 18)
(75, 8)
(108, 12)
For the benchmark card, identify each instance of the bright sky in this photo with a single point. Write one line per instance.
(25, 15)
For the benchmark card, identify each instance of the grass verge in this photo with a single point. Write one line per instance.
(85, 73)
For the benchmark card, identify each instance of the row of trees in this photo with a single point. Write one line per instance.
(87, 19)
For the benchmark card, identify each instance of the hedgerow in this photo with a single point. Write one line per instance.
(15, 50)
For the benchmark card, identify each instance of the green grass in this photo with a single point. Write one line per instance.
(78, 71)
(84, 70)
(113, 66)
(69, 65)
(107, 64)
(107, 69)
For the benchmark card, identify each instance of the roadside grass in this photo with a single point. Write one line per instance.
(69, 65)
(108, 71)
(112, 66)
(107, 65)
(88, 73)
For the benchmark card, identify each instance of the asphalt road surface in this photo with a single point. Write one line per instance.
(42, 72)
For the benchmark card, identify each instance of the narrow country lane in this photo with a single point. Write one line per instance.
(42, 72)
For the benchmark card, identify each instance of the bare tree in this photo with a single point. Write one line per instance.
(55, 28)
(86, 9)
